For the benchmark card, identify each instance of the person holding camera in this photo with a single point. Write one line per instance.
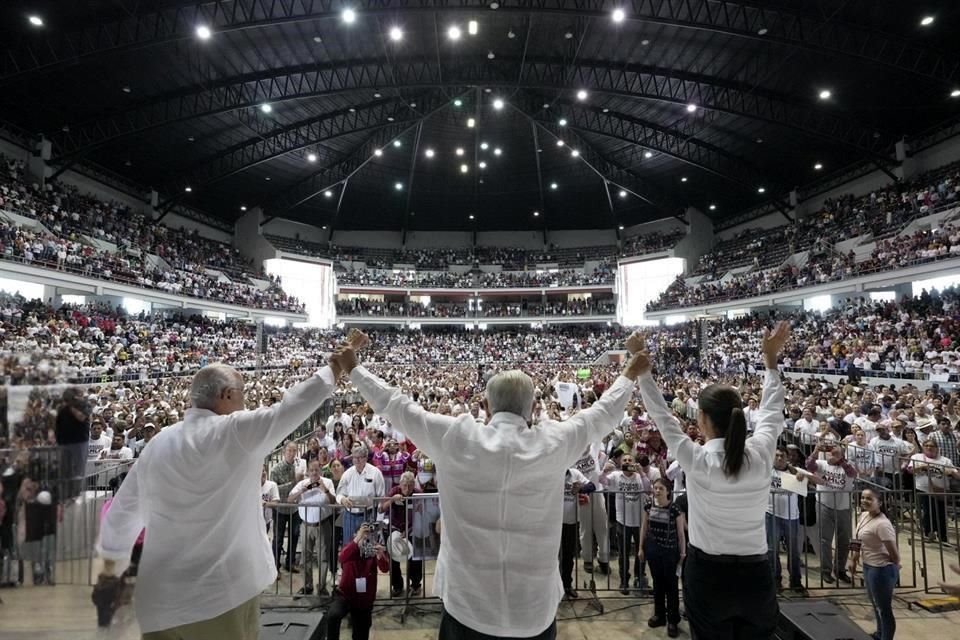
(314, 493)
(360, 561)
(835, 478)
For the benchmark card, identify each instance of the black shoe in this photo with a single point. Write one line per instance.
(656, 621)
(291, 570)
(604, 568)
(625, 589)
(305, 591)
(396, 593)
(828, 578)
(323, 593)
(414, 590)
(570, 593)
(672, 630)
(799, 589)
(843, 577)
(588, 567)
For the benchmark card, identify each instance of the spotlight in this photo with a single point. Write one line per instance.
(188, 189)
(927, 21)
(473, 27)
(471, 123)
(825, 94)
(459, 151)
(761, 190)
(471, 216)
(713, 207)
(620, 227)
(955, 93)
(498, 104)
(482, 165)
(398, 186)
(397, 144)
(396, 34)
(454, 33)
(648, 154)
(203, 32)
(378, 152)
(328, 193)
(762, 31)
(817, 167)
(458, 102)
(429, 153)
(562, 122)
(574, 153)
(243, 207)
(349, 16)
(497, 151)
(311, 157)
(37, 21)
(683, 179)
(559, 143)
(491, 55)
(484, 146)
(622, 194)
(582, 94)
(554, 186)
(464, 168)
(266, 108)
(618, 15)
(126, 89)
(691, 108)
(536, 214)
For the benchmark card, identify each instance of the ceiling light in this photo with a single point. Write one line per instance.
(266, 108)
(471, 216)
(484, 146)
(644, 42)
(324, 227)
(396, 34)
(203, 32)
(491, 55)
(190, 139)
(574, 153)
(825, 94)
(188, 189)
(559, 143)
(494, 5)
(459, 151)
(955, 93)
(536, 214)
(927, 21)
(413, 105)
(464, 168)
(473, 27)
(352, 110)
(397, 143)
(487, 90)
(268, 178)
(349, 16)
(713, 207)
(618, 15)
(454, 33)
(37, 21)
(691, 108)
(398, 186)
(498, 104)
(582, 94)
(568, 35)
(622, 194)
(546, 105)
(648, 154)
(328, 193)
(128, 163)
(497, 151)
(378, 152)
(759, 140)
(243, 207)
(317, 39)
(562, 122)
(390, 118)
(311, 157)
(126, 89)
(458, 102)
(621, 227)
(554, 185)
(761, 190)
(377, 94)
(683, 179)
(606, 110)
(511, 34)
(429, 153)
(818, 166)
(762, 31)
(471, 123)
(482, 165)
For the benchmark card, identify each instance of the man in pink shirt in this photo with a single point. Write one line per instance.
(392, 462)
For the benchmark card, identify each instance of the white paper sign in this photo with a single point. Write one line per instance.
(789, 482)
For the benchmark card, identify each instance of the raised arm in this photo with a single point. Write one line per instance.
(770, 420)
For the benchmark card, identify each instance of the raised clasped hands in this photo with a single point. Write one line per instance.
(344, 359)
(639, 362)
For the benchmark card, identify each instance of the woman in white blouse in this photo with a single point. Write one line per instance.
(728, 587)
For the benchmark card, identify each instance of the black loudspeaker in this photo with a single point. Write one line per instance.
(816, 620)
(291, 625)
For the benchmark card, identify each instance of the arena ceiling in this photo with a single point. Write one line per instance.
(357, 124)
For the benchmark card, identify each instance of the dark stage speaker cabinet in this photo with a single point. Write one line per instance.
(816, 620)
(291, 625)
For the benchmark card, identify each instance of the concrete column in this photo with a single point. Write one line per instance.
(908, 164)
(249, 240)
(38, 163)
(699, 238)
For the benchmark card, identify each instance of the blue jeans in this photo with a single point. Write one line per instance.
(790, 530)
(881, 582)
(352, 522)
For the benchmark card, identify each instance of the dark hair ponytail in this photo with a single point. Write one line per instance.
(724, 407)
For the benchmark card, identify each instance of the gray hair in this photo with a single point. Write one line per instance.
(208, 384)
(407, 476)
(360, 449)
(511, 391)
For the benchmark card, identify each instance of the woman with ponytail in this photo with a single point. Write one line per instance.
(728, 588)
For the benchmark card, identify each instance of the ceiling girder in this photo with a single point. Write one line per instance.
(307, 81)
(177, 21)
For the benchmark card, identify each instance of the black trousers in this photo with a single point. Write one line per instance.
(729, 597)
(629, 536)
(414, 574)
(452, 629)
(568, 551)
(666, 585)
(282, 522)
(933, 518)
(360, 619)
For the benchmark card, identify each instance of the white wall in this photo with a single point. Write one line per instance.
(938, 155)
(289, 229)
(104, 192)
(175, 221)
(860, 186)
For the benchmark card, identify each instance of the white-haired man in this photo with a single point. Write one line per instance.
(196, 489)
(502, 496)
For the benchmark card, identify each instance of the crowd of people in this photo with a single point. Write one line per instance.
(602, 274)
(652, 242)
(362, 307)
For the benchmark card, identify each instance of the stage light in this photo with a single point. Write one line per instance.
(554, 186)
(328, 193)
(817, 167)
(582, 95)
(458, 102)
(498, 104)
(397, 144)
(713, 207)
(927, 21)
(683, 179)
(311, 157)
(536, 214)
(691, 108)
(349, 16)
(621, 227)
(266, 108)
(623, 194)
(559, 143)
(398, 186)
(188, 189)
(428, 153)
(459, 151)
(955, 93)
(648, 154)
(396, 34)
(825, 94)
(482, 165)
(562, 122)
(203, 32)
(464, 168)
(574, 153)
(761, 190)
(473, 27)
(37, 21)
(484, 146)
(454, 33)
(497, 151)
(471, 123)
(378, 152)
(471, 216)
(243, 207)
(618, 15)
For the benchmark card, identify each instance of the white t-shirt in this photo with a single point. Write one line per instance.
(933, 476)
(269, 492)
(889, 452)
(569, 500)
(783, 504)
(806, 430)
(630, 496)
(835, 493)
(313, 501)
(862, 457)
(94, 447)
(123, 453)
(590, 464)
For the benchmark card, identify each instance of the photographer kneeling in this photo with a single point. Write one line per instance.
(359, 560)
